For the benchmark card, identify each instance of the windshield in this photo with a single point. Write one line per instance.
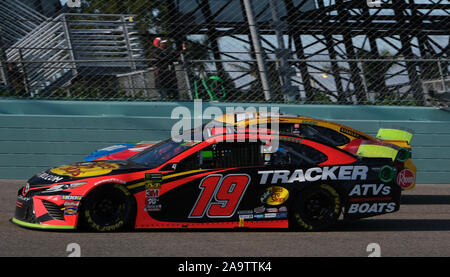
(162, 152)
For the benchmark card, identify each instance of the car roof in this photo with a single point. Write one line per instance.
(245, 119)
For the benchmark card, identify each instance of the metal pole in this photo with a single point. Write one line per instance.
(186, 76)
(3, 62)
(25, 75)
(441, 72)
(258, 49)
(70, 47)
(282, 54)
(128, 42)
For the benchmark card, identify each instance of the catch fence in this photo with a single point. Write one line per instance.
(276, 51)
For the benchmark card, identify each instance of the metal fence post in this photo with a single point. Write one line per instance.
(70, 48)
(25, 75)
(441, 72)
(282, 54)
(128, 42)
(258, 50)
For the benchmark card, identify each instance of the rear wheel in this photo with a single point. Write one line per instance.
(315, 208)
(108, 208)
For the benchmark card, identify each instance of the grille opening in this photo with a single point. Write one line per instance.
(57, 212)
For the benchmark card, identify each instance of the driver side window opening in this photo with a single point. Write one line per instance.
(225, 155)
(296, 154)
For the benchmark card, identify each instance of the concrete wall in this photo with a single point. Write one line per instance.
(36, 135)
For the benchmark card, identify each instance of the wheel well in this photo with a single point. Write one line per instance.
(337, 187)
(102, 187)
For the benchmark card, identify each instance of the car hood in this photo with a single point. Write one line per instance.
(83, 170)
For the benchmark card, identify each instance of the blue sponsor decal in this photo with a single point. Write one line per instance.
(282, 215)
(72, 197)
(70, 210)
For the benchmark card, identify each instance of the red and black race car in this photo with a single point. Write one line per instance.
(389, 143)
(230, 179)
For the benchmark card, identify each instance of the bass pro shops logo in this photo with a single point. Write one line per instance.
(74, 3)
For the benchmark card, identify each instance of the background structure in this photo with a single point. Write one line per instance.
(75, 79)
(285, 51)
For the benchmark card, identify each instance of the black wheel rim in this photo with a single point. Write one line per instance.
(319, 206)
(108, 209)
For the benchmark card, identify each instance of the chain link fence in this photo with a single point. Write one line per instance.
(278, 51)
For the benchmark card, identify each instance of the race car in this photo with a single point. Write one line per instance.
(389, 143)
(228, 179)
(118, 151)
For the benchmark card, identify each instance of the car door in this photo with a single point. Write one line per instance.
(212, 184)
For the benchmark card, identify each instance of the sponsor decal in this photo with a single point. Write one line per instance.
(153, 208)
(152, 180)
(71, 204)
(47, 177)
(349, 132)
(112, 180)
(70, 210)
(370, 189)
(309, 122)
(370, 199)
(270, 215)
(259, 210)
(153, 176)
(85, 169)
(245, 216)
(314, 174)
(406, 178)
(23, 198)
(72, 197)
(245, 212)
(272, 210)
(152, 185)
(282, 215)
(277, 196)
(258, 216)
(152, 200)
(366, 208)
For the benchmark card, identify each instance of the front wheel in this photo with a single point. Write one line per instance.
(315, 208)
(108, 208)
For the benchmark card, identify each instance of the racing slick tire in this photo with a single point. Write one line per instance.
(108, 208)
(315, 209)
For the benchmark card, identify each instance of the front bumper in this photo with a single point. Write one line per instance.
(43, 212)
(40, 226)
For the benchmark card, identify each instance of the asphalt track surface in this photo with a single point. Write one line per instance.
(421, 228)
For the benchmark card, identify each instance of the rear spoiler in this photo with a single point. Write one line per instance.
(398, 137)
(383, 151)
